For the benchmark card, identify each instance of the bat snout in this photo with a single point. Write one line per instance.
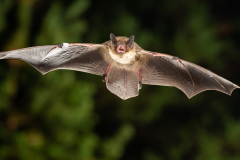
(121, 48)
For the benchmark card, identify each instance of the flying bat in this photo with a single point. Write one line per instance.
(124, 66)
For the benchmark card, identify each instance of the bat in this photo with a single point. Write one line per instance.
(124, 66)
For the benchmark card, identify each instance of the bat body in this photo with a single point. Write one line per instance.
(124, 65)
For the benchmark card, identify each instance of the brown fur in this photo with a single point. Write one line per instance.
(140, 58)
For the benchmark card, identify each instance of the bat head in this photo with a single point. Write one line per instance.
(121, 45)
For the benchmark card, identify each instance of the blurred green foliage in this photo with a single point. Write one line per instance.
(71, 115)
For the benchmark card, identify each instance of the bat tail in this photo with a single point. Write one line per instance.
(122, 82)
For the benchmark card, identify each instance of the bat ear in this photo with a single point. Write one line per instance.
(130, 41)
(113, 39)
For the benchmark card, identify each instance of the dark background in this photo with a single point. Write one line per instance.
(71, 115)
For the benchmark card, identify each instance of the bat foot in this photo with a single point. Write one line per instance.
(105, 74)
(140, 85)
(140, 78)
(104, 77)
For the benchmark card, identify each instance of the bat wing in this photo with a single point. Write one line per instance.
(166, 70)
(89, 58)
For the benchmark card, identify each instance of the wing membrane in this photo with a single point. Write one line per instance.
(122, 82)
(166, 70)
(80, 57)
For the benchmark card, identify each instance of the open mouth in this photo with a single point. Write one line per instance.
(121, 48)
